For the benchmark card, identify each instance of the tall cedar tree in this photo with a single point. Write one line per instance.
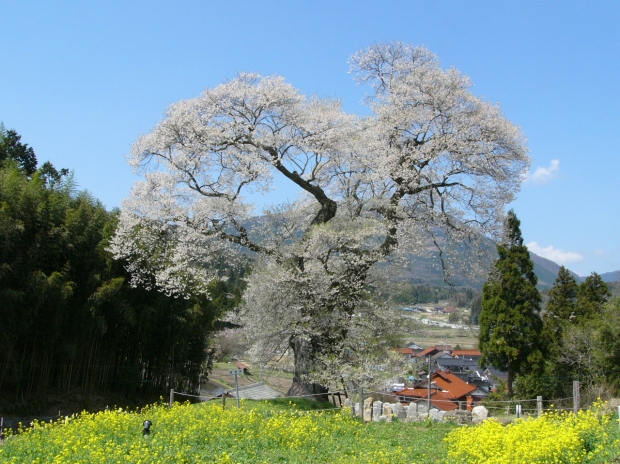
(592, 295)
(561, 304)
(510, 324)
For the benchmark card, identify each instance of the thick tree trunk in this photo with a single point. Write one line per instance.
(302, 349)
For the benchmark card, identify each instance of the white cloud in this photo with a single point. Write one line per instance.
(601, 253)
(543, 175)
(555, 254)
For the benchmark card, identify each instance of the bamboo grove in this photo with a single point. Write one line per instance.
(69, 320)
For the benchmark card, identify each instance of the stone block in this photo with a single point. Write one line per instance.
(377, 410)
(368, 409)
(399, 411)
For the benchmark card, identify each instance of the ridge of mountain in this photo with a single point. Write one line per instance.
(613, 276)
(425, 269)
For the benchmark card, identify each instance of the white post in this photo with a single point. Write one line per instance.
(171, 396)
(539, 405)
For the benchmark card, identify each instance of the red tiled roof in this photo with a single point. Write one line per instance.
(406, 351)
(442, 401)
(426, 352)
(240, 365)
(449, 382)
(466, 353)
(414, 392)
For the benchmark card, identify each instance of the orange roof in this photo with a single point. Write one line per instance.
(240, 365)
(426, 352)
(442, 401)
(466, 353)
(449, 382)
(414, 392)
(405, 351)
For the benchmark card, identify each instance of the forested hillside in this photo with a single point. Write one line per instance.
(70, 322)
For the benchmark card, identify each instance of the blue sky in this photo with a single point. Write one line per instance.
(81, 80)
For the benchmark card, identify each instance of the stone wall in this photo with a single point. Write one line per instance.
(379, 411)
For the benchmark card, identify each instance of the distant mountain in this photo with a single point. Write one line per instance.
(611, 276)
(547, 271)
(427, 269)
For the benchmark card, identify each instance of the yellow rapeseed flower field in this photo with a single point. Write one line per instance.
(206, 433)
(555, 437)
(263, 432)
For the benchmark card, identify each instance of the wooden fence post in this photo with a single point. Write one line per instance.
(362, 403)
(539, 405)
(171, 396)
(224, 400)
(576, 397)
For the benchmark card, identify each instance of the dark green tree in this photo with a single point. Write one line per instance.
(12, 149)
(551, 381)
(476, 309)
(608, 334)
(592, 295)
(510, 323)
(561, 305)
(70, 320)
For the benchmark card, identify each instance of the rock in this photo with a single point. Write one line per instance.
(434, 414)
(422, 409)
(479, 412)
(377, 409)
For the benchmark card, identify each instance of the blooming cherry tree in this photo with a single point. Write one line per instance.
(433, 164)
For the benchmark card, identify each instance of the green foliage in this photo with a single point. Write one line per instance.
(510, 325)
(476, 309)
(70, 320)
(593, 294)
(11, 149)
(608, 335)
(562, 297)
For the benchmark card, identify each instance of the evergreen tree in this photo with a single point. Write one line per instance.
(550, 381)
(12, 149)
(510, 324)
(592, 295)
(561, 305)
